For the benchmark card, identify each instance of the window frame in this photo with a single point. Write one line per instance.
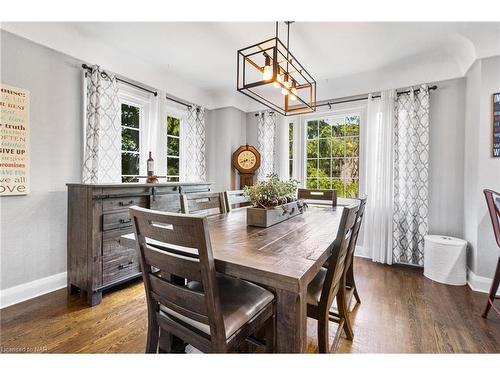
(131, 103)
(138, 98)
(181, 115)
(342, 110)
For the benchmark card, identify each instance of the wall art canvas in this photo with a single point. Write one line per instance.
(14, 140)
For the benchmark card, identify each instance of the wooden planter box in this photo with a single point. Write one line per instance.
(261, 217)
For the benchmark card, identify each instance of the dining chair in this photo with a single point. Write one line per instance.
(209, 203)
(318, 195)
(235, 199)
(212, 312)
(351, 288)
(329, 284)
(493, 202)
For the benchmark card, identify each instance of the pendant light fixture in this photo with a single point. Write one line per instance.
(270, 74)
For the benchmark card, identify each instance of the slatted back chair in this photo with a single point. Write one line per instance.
(493, 202)
(208, 203)
(179, 245)
(349, 267)
(235, 199)
(330, 284)
(327, 195)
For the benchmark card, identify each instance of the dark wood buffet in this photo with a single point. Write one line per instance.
(97, 217)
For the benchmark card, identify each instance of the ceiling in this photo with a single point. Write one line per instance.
(197, 61)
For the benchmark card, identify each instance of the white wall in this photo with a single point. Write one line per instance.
(471, 143)
(481, 170)
(225, 132)
(446, 158)
(33, 227)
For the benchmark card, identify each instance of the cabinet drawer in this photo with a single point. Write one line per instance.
(165, 190)
(166, 202)
(119, 266)
(116, 220)
(194, 188)
(115, 204)
(125, 191)
(111, 242)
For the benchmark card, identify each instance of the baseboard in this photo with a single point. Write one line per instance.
(479, 283)
(33, 289)
(361, 252)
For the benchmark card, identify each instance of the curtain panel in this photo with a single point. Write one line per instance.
(411, 176)
(378, 181)
(266, 144)
(102, 149)
(194, 140)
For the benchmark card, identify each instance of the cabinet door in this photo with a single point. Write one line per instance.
(166, 202)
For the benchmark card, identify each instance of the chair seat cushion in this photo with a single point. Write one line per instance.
(315, 287)
(240, 301)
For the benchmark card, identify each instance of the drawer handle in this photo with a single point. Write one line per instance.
(129, 264)
(121, 203)
(124, 221)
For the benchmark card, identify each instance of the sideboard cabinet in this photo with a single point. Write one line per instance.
(97, 217)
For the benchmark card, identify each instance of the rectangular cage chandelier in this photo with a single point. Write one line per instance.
(270, 74)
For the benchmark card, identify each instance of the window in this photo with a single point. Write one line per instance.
(131, 121)
(290, 148)
(173, 148)
(332, 154)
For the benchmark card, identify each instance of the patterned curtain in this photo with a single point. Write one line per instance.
(411, 176)
(102, 155)
(195, 163)
(266, 144)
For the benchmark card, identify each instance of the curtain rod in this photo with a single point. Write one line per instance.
(178, 101)
(333, 101)
(155, 93)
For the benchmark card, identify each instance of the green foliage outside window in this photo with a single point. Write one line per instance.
(173, 126)
(130, 116)
(173, 148)
(130, 122)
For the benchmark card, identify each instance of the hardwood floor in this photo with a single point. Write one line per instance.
(401, 312)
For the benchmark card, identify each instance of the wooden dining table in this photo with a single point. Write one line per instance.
(283, 258)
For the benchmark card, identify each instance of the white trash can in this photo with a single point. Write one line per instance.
(445, 259)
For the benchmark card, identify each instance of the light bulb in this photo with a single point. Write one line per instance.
(286, 83)
(278, 79)
(267, 74)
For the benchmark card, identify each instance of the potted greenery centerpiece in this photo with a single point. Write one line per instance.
(273, 201)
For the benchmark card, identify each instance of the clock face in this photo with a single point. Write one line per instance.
(247, 159)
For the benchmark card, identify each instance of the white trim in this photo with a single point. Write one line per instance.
(479, 283)
(361, 252)
(32, 289)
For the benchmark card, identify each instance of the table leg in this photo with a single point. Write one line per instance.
(291, 327)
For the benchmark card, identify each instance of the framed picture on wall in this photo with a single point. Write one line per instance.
(495, 125)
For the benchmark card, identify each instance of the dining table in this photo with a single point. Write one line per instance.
(283, 258)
